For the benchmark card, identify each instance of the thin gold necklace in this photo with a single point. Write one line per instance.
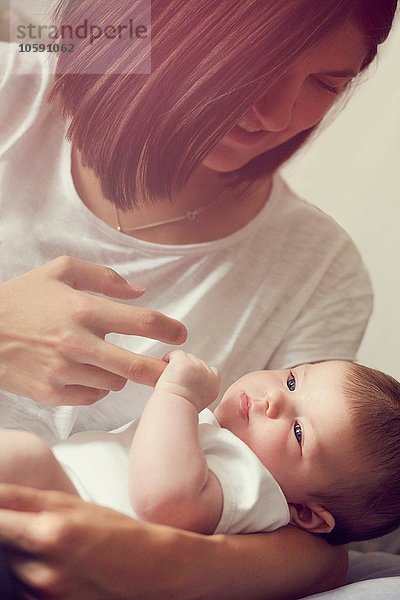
(190, 215)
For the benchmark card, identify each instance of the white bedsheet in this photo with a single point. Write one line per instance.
(386, 588)
(372, 576)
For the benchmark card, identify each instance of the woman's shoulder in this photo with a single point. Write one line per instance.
(294, 208)
(16, 60)
(302, 224)
(24, 82)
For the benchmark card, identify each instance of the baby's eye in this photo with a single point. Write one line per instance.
(298, 432)
(291, 382)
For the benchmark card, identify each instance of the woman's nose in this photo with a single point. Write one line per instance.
(274, 110)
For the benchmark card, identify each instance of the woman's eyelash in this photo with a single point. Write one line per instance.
(330, 88)
(291, 382)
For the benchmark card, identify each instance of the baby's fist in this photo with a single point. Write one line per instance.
(190, 378)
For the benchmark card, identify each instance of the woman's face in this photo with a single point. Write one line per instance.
(296, 102)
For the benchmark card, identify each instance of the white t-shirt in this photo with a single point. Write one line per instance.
(288, 288)
(97, 463)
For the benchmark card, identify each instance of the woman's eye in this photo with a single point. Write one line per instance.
(291, 382)
(330, 88)
(298, 432)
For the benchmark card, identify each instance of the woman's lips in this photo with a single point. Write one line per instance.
(246, 138)
(244, 404)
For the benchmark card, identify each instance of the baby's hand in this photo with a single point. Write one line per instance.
(190, 378)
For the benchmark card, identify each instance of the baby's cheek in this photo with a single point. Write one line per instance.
(269, 452)
(222, 415)
(218, 412)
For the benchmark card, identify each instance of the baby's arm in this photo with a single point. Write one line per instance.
(171, 483)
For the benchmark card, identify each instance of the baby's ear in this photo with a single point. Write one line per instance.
(311, 517)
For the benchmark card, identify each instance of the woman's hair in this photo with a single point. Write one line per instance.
(143, 135)
(367, 504)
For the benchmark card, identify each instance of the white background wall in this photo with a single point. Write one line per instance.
(352, 172)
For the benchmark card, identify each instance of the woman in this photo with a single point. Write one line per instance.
(170, 180)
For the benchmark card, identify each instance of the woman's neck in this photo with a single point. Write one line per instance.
(232, 208)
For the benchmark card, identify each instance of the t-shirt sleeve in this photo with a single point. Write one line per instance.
(252, 499)
(24, 81)
(332, 324)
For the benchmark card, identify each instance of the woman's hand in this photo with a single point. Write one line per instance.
(61, 548)
(52, 346)
(65, 548)
(190, 378)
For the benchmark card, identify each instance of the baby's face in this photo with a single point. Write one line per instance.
(297, 423)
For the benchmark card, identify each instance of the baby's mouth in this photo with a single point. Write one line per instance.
(244, 402)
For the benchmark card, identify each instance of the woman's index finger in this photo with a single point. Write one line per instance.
(87, 276)
(116, 317)
(135, 367)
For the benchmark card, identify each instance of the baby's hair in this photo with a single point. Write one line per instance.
(368, 505)
(211, 60)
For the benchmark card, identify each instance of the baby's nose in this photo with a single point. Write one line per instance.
(274, 403)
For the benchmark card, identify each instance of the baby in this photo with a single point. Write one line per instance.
(315, 446)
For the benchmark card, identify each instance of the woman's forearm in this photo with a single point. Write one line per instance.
(72, 550)
(284, 565)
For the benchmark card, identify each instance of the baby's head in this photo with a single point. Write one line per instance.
(368, 505)
(329, 434)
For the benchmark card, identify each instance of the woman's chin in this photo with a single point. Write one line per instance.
(230, 156)
(224, 161)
